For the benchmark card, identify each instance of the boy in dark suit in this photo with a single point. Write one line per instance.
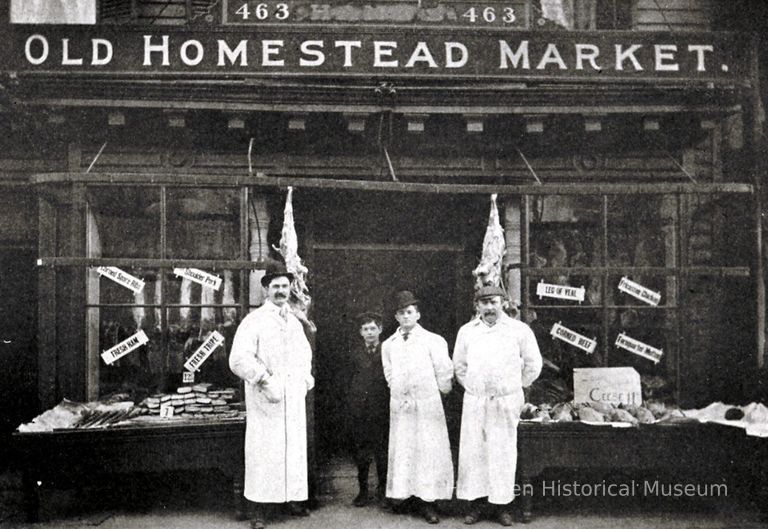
(368, 407)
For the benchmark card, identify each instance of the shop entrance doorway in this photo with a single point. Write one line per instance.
(359, 262)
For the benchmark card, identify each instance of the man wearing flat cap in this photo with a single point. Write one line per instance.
(494, 358)
(417, 368)
(270, 352)
(367, 402)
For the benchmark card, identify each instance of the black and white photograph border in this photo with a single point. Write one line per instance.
(383, 263)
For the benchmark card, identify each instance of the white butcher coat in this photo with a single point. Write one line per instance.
(276, 432)
(493, 364)
(417, 371)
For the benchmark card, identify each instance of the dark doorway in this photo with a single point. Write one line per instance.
(368, 247)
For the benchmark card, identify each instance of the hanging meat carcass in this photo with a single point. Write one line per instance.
(289, 248)
(488, 272)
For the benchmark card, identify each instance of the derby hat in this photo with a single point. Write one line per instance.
(404, 299)
(275, 269)
(489, 292)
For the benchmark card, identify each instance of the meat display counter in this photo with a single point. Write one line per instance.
(690, 448)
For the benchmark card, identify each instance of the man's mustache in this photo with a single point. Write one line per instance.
(280, 295)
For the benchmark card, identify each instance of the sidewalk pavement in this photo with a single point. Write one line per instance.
(198, 502)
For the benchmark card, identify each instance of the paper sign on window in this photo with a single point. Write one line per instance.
(639, 348)
(204, 351)
(166, 411)
(573, 338)
(122, 278)
(638, 291)
(124, 347)
(187, 377)
(547, 290)
(199, 276)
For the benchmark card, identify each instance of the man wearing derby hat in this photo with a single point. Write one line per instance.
(494, 358)
(272, 355)
(417, 368)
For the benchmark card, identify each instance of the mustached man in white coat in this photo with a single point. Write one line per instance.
(494, 358)
(417, 368)
(270, 352)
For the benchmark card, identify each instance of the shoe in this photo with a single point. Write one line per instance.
(297, 509)
(257, 523)
(361, 500)
(429, 514)
(472, 517)
(505, 518)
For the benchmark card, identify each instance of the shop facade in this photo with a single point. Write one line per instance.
(621, 148)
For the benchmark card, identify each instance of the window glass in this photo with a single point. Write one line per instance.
(203, 223)
(641, 230)
(718, 230)
(123, 222)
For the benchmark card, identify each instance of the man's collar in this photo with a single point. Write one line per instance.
(270, 306)
(502, 319)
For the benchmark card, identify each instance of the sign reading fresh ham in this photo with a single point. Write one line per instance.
(575, 339)
(123, 348)
(547, 290)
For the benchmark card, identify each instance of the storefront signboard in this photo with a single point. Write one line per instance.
(199, 276)
(639, 348)
(577, 340)
(121, 278)
(640, 292)
(204, 351)
(610, 385)
(547, 290)
(123, 348)
(349, 51)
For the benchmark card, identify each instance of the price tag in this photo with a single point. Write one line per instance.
(204, 351)
(124, 347)
(199, 276)
(188, 377)
(638, 291)
(547, 290)
(166, 411)
(639, 348)
(575, 339)
(121, 278)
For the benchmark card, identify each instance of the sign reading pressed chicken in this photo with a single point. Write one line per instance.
(547, 290)
(572, 337)
(640, 292)
(123, 348)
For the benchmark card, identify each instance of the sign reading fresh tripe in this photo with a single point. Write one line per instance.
(573, 338)
(638, 291)
(199, 276)
(639, 348)
(121, 278)
(611, 385)
(547, 290)
(204, 351)
(124, 347)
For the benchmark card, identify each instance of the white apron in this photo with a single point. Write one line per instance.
(276, 432)
(493, 364)
(420, 461)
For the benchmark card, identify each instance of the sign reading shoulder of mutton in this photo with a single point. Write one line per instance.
(639, 348)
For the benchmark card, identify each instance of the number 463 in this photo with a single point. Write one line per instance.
(489, 15)
(261, 12)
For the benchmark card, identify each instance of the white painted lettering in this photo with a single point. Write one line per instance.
(629, 53)
(155, 48)
(43, 56)
(664, 53)
(699, 49)
(348, 45)
(97, 59)
(225, 52)
(587, 52)
(551, 55)
(383, 49)
(270, 49)
(450, 60)
(310, 47)
(507, 55)
(421, 54)
(199, 53)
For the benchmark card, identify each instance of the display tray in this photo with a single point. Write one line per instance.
(684, 447)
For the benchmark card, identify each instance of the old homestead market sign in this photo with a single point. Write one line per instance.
(348, 51)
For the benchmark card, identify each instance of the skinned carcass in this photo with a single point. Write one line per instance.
(488, 272)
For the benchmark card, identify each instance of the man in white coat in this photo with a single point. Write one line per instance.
(270, 352)
(417, 369)
(494, 358)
